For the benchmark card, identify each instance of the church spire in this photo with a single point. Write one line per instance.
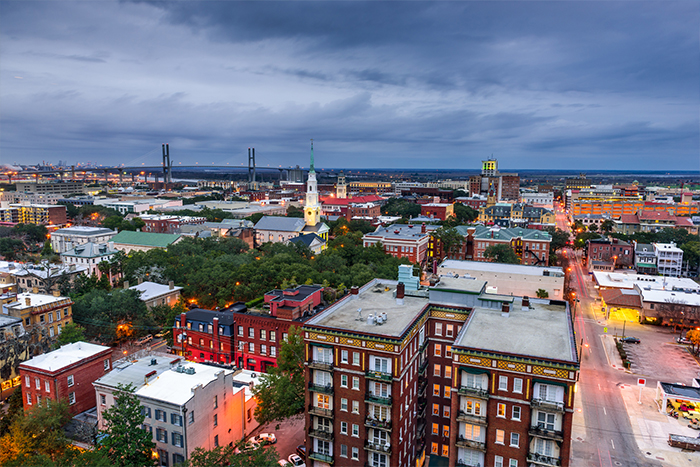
(312, 170)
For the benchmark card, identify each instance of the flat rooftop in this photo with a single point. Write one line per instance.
(542, 331)
(150, 290)
(177, 388)
(462, 284)
(65, 356)
(398, 232)
(378, 296)
(83, 230)
(482, 266)
(627, 281)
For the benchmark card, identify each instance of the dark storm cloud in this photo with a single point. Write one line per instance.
(377, 84)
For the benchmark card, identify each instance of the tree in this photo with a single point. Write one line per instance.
(464, 214)
(11, 248)
(583, 237)
(501, 253)
(607, 226)
(694, 337)
(293, 211)
(541, 293)
(127, 444)
(71, 211)
(593, 227)
(450, 239)
(281, 392)
(71, 333)
(559, 239)
(226, 456)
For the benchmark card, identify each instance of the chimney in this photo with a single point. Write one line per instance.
(526, 303)
(111, 245)
(505, 309)
(183, 320)
(56, 293)
(171, 285)
(423, 228)
(35, 289)
(28, 301)
(354, 291)
(400, 293)
(126, 284)
(215, 325)
(140, 280)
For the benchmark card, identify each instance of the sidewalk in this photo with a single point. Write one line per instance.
(611, 352)
(651, 428)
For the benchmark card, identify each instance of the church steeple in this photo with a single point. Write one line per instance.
(311, 169)
(312, 210)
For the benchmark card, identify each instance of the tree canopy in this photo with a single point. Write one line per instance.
(501, 253)
(226, 456)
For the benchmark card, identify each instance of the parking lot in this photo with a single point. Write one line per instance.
(289, 435)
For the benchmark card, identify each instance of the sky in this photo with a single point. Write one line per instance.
(585, 85)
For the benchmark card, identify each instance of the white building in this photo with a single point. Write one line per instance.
(154, 294)
(669, 259)
(89, 255)
(546, 199)
(63, 240)
(187, 405)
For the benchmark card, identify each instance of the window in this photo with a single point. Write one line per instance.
(216, 419)
(516, 413)
(500, 437)
(273, 351)
(190, 418)
(251, 333)
(355, 453)
(356, 430)
(161, 435)
(436, 409)
(445, 450)
(241, 346)
(263, 335)
(356, 359)
(284, 336)
(472, 432)
(344, 404)
(176, 439)
(449, 331)
(448, 351)
(178, 459)
(343, 381)
(176, 419)
(434, 448)
(514, 440)
(201, 342)
(251, 347)
(146, 411)
(216, 402)
(436, 370)
(27, 381)
(103, 399)
(546, 420)
(160, 415)
(263, 349)
(323, 401)
(29, 399)
(343, 356)
(446, 431)
(513, 463)
(544, 447)
(498, 462)
(343, 450)
(37, 383)
(70, 380)
(438, 350)
(518, 385)
(438, 329)
(106, 365)
(273, 336)
(448, 371)
(436, 428)
(501, 410)
(356, 383)
(436, 389)
(71, 398)
(343, 428)
(446, 411)
(355, 407)
(240, 330)
(502, 383)
(448, 391)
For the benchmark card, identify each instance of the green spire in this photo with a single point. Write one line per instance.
(311, 170)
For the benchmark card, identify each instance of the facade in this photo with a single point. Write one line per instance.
(46, 312)
(611, 250)
(66, 239)
(366, 211)
(168, 224)
(395, 376)
(41, 214)
(127, 241)
(89, 255)
(376, 188)
(544, 198)
(339, 206)
(644, 258)
(10, 328)
(63, 188)
(669, 259)
(187, 405)
(653, 221)
(312, 241)
(341, 189)
(505, 186)
(401, 241)
(154, 294)
(65, 374)
(45, 277)
(442, 211)
(673, 307)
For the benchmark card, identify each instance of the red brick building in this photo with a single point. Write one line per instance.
(243, 337)
(168, 224)
(401, 241)
(441, 211)
(65, 374)
(610, 250)
(364, 210)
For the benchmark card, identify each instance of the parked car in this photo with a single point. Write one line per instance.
(301, 450)
(267, 438)
(630, 340)
(144, 340)
(296, 461)
(283, 463)
(683, 340)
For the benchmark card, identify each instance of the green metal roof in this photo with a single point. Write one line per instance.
(157, 240)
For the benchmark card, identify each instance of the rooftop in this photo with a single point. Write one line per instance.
(670, 297)
(82, 230)
(65, 356)
(468, 285)
(151, 290)
(479, 266)
(542, 331)
(90, 250)
(297, 294)
(36, 300)
(681, 390)
(145, 238)
(282, 224)
(398, 232)
(621, 280)
(378, 296)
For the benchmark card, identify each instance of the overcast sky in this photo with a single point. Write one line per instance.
(563, 85)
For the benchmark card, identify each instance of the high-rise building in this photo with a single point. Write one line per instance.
(503, 186)
(342, 187)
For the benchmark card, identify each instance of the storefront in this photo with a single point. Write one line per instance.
(678, 400)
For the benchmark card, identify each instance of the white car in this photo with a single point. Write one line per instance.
(296, 460)
(267, 438)
(283, 463)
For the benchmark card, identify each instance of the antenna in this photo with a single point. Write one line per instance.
(359, 315)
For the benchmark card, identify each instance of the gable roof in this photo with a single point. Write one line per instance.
(282, 224)
(157, 240)
(307, 239)
(90, 250)
(621, 297)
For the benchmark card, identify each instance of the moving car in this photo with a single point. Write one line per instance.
(630, 340)
(683, 340)
(144, 340)
(301, 450)
(296, 460)
(267, 438)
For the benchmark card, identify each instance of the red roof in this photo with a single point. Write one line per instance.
(629, 219)
(680, 221)
(333, 201)
(621, 298)
(656, 216)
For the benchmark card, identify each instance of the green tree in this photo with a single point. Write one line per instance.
(401, 207)
(14, 409)
(450, 239)
(71, 211)
(71, 333)
(583, 237)
(501, 253)
(127, 444)
(11, 248)
(691, 253)
(113, 222)
(593, 227)
(293, 211)
(226, 456)
(541, 293)
(47, 250)
(254, 218)
(280, 392)
(607, 226)
(559, 239)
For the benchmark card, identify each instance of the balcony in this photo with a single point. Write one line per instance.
(541, 459)
(320, 412)
(317, 456)
(327, 389)
(371, 422)
(319, 365)
(541, 432)
(422, 409)
(423, 366)
(321, 433)
(462, 442)
(479, 393)
(384, 448)
(553, 406)
(376, 399)
(422, 386)
(470, 418)
(380, 375)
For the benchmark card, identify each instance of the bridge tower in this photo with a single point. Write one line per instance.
(167, 165)
(251, 168)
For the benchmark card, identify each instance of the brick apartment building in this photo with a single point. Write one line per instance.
(41, 214)
(49, 313)
(367, 211)
(610, 250)
(401, 241)
(65, 374)
(168, 224)
(245, 337)
(395, 376)
(442, 211)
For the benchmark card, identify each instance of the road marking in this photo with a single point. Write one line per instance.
(605, 411)
(613, 443)
(599, 387)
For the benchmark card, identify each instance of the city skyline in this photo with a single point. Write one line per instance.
(574, 85)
